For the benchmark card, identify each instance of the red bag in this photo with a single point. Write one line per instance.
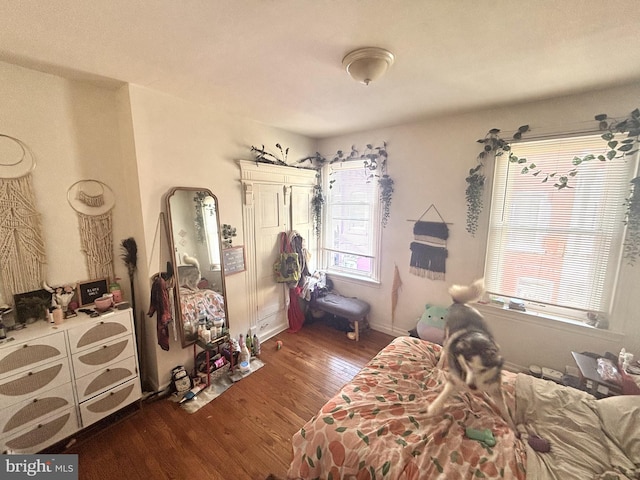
(295, 313)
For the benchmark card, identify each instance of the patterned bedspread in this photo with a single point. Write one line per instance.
(376, 427)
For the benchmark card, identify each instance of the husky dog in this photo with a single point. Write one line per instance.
(189, 275)
(470, 352)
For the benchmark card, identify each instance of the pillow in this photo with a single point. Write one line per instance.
(620, 417)
(431, 325)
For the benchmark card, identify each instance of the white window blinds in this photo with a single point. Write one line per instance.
(558, 247)
(352, 226)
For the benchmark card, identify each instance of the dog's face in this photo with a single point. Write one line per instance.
(478, 360)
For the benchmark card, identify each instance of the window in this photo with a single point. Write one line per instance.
(558, 248)
(352, 226)
(212, 234)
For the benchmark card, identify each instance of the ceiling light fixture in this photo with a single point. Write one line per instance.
(367, 64)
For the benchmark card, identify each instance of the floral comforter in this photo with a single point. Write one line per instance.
(377, 427)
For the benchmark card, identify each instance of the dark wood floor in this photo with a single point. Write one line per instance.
(243, 434)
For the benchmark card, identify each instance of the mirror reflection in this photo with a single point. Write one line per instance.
(196, 245)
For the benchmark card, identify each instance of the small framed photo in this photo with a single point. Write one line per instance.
(91, 289)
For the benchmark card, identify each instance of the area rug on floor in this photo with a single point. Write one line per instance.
(217, 388)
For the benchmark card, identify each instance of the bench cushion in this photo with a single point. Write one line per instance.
(349, 308)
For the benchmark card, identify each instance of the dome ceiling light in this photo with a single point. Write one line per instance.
(367, 64)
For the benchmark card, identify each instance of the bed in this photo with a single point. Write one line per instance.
(377, 427)
(193, 303)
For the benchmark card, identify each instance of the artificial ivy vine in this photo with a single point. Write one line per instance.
(615, 149)
(374, 162)
(493, 146)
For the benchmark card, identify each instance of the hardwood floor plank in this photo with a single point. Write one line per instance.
(246, 432)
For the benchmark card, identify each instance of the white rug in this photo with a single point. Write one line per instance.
(217, 388)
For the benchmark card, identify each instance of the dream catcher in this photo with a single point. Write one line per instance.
(93, 202)
(22, 253)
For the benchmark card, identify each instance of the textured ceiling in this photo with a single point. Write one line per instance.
(279, 61)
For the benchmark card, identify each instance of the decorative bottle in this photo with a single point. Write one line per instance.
(244, 356)
(114, 288)
(256, 345)
(247, 341)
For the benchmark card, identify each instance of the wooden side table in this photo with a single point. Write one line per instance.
(590, 379)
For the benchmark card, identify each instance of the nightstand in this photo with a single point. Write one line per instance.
(590, 379)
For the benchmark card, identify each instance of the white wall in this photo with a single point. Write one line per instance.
(179, 143)
(72, 129)
(429, 162)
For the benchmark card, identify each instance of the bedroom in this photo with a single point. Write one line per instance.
(136, 138)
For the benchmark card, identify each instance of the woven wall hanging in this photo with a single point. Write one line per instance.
(93, 202)
(22, 253)
(429, 251)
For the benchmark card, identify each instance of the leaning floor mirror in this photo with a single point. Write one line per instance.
(194, 236)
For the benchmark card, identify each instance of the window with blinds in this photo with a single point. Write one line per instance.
(352, 226)
(558, 247)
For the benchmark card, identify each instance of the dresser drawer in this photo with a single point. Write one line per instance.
(28, 412)
(103, 379)
(27, 355)
(108, 327)
(105, 404)
(47, 432)
(99, 357)
(34, 382)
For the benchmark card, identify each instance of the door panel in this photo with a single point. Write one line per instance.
(270, 220)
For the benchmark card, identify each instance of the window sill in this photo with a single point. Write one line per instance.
(549, 321)
(343, 277)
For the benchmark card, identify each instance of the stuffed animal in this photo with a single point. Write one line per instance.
(430, 327)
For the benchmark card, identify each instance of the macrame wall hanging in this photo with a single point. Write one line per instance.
(429, 251)
(22, 253)
(93, 202)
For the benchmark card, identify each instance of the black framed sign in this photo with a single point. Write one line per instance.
(233, 260)
(90, 290)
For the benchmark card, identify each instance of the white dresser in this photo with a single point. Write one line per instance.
(56, 380)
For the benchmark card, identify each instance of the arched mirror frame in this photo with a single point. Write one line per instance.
(189, 338)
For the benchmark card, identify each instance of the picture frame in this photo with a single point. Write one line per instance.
(89, 290)
(233, 260)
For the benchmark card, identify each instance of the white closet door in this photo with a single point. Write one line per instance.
(271, 218)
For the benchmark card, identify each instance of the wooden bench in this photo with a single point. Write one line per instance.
(353, 309)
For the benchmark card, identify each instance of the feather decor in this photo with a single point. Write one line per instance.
(130, 257)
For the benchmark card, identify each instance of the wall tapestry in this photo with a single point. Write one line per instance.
(22, 253)
(429, 251)
(93, 202)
